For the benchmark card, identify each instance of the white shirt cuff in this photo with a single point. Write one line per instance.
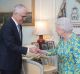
(28, 50)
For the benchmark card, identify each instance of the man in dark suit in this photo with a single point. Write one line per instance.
(11, 49)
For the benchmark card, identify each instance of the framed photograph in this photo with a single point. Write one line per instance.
(50, 44)
(6, 11)
(35, 44)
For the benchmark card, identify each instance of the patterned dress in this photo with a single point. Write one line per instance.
(68, 55)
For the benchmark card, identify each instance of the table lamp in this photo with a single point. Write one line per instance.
(41, 28)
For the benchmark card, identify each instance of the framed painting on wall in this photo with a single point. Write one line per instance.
(6, 11)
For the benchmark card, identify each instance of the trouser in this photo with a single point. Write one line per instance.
(10, 72)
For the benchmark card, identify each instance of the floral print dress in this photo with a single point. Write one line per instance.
(68, 55)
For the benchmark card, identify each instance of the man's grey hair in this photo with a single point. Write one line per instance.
(65, 24)
(18, 8)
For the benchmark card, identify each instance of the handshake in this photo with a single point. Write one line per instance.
(36, 51)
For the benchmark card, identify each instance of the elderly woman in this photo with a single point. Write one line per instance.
(68, 48)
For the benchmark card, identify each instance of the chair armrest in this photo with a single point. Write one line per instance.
(31, 67)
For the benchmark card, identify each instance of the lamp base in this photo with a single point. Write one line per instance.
(41, 41)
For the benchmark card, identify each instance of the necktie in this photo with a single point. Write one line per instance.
(19, 30)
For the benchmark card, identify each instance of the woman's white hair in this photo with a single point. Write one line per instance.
(65, 24)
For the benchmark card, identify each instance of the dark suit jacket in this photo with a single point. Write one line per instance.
(11, 49)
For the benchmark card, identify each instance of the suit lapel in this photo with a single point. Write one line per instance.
(16, 31)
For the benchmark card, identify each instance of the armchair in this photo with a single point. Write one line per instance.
(31, 67)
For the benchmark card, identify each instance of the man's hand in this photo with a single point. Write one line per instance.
(34, 50)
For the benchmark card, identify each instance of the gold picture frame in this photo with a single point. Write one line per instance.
(32, 14)
(6, 11)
